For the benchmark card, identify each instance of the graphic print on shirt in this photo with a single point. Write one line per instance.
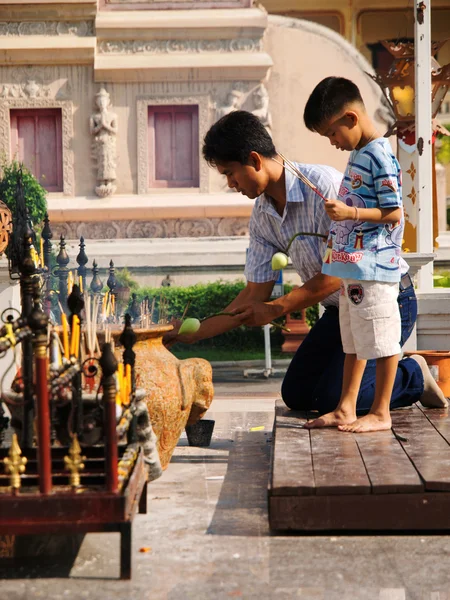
(328, 257)
(394, 234)
(344, 229)
(356, 180)
(359, 240)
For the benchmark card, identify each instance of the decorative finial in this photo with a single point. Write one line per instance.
(15, 463)
(82, 261)
(112, 281)
(74, 462)
(47, 235)
(96, 283)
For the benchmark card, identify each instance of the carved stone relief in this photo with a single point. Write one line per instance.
(242, 97)
(168, 228)
(29, 89)
(103, 127)
(72, 28)
(34, 82)
(143, 103)
(261, 106)
(232, 103)
(36, 102)
(175, 46)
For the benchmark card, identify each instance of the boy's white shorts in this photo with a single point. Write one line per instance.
(369, 318)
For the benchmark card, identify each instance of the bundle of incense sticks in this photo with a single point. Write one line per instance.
(92, 305)
(295, 171)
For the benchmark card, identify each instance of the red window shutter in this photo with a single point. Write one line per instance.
(173, 146)
(36, 140)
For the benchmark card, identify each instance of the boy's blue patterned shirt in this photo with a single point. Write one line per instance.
(363, 250)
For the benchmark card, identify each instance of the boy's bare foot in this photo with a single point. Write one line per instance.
(332, 419)
(433, 396)
(370, 422)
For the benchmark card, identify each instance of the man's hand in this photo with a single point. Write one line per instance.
(170, 338)
(257, 314)
(338, 211)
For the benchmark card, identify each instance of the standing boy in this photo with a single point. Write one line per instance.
(363, 250)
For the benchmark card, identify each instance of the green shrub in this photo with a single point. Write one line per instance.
(442, 279)
(34, 193)
(125, 279)
(207, 299)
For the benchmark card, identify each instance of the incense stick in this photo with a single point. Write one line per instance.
(295, 171)
(186, 308)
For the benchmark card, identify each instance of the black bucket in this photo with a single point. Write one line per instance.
(200, 433)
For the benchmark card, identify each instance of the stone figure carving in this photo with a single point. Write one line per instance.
(233, 102)
(167, 281)
(261, 104)
(103, 126)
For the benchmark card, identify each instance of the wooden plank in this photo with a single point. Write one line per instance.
(292, 470)
(371, 512)
(388, 467)
(439, 418)
(337, 463)
(425, 447)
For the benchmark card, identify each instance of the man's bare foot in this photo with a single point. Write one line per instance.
(370, 422)
(433, 396)
(332, 419)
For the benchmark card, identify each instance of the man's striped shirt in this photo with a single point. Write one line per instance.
(304, 211)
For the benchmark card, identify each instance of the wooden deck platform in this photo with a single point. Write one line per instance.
(327, 480)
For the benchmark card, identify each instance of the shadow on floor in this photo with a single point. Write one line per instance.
(242, 505)
(41, 556)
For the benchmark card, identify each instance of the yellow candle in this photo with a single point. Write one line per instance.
(75, 336)
(42, 253)
(113, 304)
(128, 383)
(80, 283)
(77, 339)
(65, 335)
(121, 382)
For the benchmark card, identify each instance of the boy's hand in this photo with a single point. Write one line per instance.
(338, 211)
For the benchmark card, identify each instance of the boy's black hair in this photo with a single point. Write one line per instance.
(329, 98)
(234, 137)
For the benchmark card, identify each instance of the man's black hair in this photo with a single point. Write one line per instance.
(234, 137)
(328, 99)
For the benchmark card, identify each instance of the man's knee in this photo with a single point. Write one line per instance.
(295, 396)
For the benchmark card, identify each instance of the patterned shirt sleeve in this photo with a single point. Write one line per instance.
(386, 179)
(258, 266)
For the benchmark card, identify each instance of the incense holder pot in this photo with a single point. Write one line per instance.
(179, 392)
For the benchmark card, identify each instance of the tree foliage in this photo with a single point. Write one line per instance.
(35, 194)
